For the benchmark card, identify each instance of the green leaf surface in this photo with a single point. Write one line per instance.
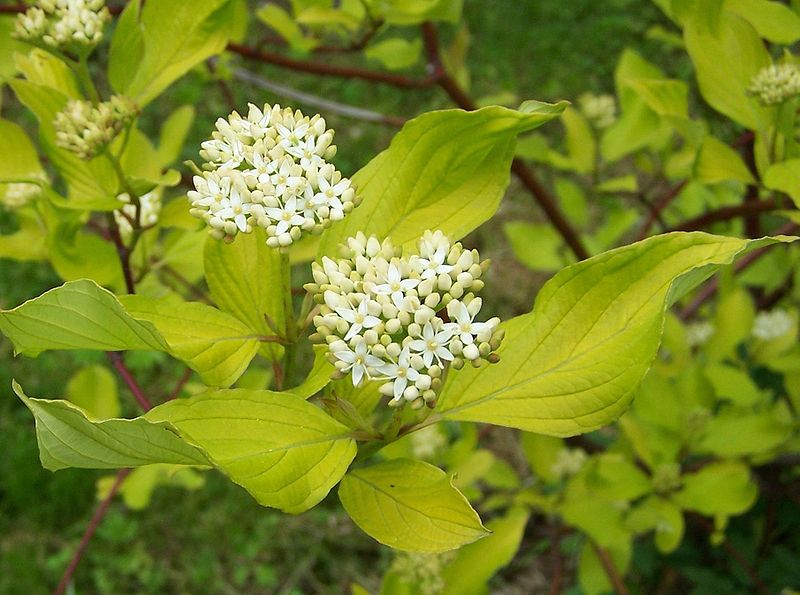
(581, 146)
(572, 364)
(213, 343)
(286, 452)
(94, 389)
(410, 505)
(77, 315)
(67, 437)
(477, 562)
(723, 488)
(18, 158)
(718, 162)
(245, 279)
(166, 41)
(754, 432)
(774, 21)
(450, 167)
(395, 53)
(785, 177)
(726, 58)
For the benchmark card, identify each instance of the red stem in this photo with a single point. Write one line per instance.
(349, 72)
(710, 288)
(130, 381)
(611, 570)
(728, 213)
(90, 529)
(658, 208)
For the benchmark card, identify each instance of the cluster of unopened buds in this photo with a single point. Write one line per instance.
(776, 84)
(149, 210)
(16, 195)
(270, 169)
(86, 129)
(600, 110)
(771, 325)
(63, 24)
(403, 320)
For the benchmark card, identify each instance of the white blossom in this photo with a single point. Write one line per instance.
(376, 297)
(776, 84)
(357, 361)
(771, 325)
(74, 25)
(276, 161)
(149, 210)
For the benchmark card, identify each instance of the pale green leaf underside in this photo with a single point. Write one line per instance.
(447, 167)
(78, 315)
(69, 438)
(286, 452)
(410, 505)
(571, 365)
(215, 344)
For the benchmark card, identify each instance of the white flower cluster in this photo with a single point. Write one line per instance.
(150, 209)
(64, 24)
(86, 129)
(568, 462)
(600, 110)
(403, 320)
(16, 195)
(771, 325)
(698, 333)
(775, 84)
(270, 170)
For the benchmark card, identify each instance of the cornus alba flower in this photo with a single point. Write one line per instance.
(149, 210)
(771, 325)
(16, 195)
(270, 169)
(75, 25)
(600, 110)
(403, 320)
(87, 129)
(776, 84)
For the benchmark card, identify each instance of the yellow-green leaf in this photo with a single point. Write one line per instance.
(283, 450)
(450, 167)
(410, 505)
(67, 437)
(572, 364)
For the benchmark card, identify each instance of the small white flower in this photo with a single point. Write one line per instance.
(435, 265)
(235, 209)
(358, 360)
(306, 153)
(287, 217)
(292, 136)
(395, 285)
(433, 345)
(401, 373)
(330, 193)
(464, 327)
(359, 318)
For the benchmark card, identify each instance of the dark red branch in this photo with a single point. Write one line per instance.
(611, 570)
(187, 373)
(528, 179)
(710, 288)
(658, 209)
(90, 530)
(324, 69)
(130, 381)
(728, 213)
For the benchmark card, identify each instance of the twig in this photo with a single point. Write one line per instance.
(227, 93)
(558, 561)
(90, 529)
(315, 101)
(728, 213)
(124, 254)
(658, 208)
(735, 554)
(528, 179)
(611, 570)
(348, 72)
(130, 381)
(187, 373)
(710, 288)
(193, 289)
